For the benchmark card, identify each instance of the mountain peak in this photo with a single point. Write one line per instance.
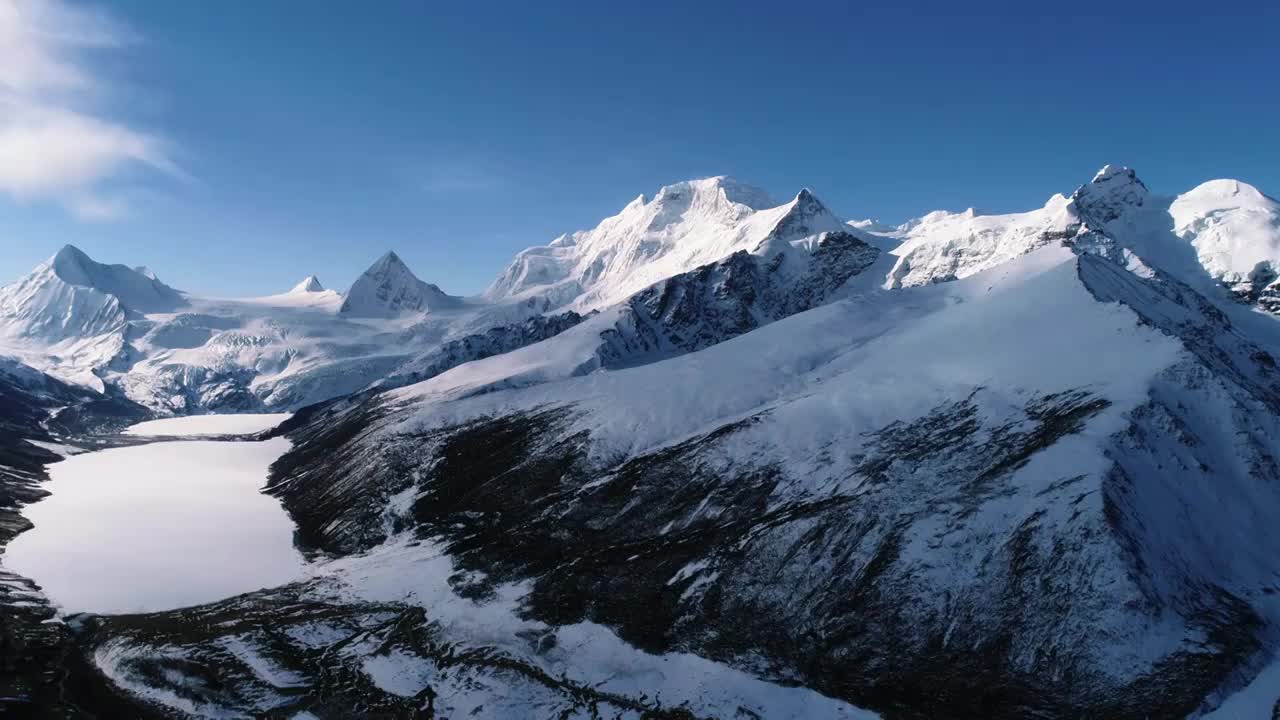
(1110, 172)
(1114, 190)
(310, 284)
(71, 259)
(802, 217)
(389, 258)
(136, 288)
(70, 251)
(390, 289)
(709, 190)
(806, 202)
(1229, 193)
(1235, 230)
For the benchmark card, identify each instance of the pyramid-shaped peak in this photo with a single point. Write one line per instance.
(70, 252)
(390, 289)
(805, 201)
(70, 258)
(390, 265)
(310, 284)
(389, 260)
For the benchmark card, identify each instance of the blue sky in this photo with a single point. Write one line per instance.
(236, 147)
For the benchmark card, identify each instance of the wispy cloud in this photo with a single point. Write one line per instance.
(54, 143)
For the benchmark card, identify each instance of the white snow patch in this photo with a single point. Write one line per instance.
(398, 673)
(403, 570)
(264, 668)
(1258, 699)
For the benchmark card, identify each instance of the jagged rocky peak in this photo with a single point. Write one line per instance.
(310, 284)
(390, 289)
(1114, 190)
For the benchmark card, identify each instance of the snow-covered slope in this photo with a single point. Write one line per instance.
(944, 246)
(684, 226)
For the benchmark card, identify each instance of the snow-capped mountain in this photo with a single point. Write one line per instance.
(684, 226)
(1235, 230)
(72, 297)
(719, 457)
(1045, 489)
(390, 289)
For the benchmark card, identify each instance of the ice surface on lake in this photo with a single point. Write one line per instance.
(208, 425)
(157, 527)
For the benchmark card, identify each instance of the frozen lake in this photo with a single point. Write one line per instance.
(208, 425)
(157, 527)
